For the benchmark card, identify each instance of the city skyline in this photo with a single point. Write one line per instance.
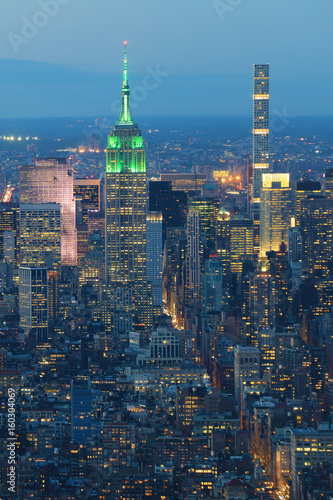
(166, 297)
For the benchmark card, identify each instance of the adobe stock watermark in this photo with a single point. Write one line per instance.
(97, 135)
(152, 79)
(223, 7)
(40, 19)
(279, 120)
(11, 441)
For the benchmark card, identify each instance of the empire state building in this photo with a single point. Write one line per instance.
(125, 215)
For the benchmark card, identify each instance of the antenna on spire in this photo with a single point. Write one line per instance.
(125, 114)
(125, 64)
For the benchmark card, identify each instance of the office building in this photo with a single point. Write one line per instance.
(33, 302)
(303, 189)
(92, 269)
(294, 242)
(206, 208)
(188, 402)
(262, 301)
(185, 182)
(255, 217)
(317, 233)
(260, 157)
(40, 235)
(119, 443)
(222, 237)
(9, 246)
(173, 205)
(240, 242)
(246, 367)
(155, 256)
(117, 310)
(96, 221)
(10, 220)
(89, 192)
(267, 347)
(81, 417)
(126, 209)
(275, 211)
(164, 347)
(309, 448)
(212, 288)
(193, 259)
(50, 180)
(155, 190)
(6, 276)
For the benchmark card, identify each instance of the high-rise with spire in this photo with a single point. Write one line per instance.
(126, 212)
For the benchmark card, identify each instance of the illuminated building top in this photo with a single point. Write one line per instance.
(125, 151)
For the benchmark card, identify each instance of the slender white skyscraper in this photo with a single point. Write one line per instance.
(260, 158)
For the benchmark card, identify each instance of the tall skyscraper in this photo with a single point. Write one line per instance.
(294, 243)
(155, 190)
(9, 246)
(317, 233)
(303, 189)
(50, 180)
(126, 209)
(81, 418)
(260, 158)
(193, 259)
(275, 211)
(173, 205)
(155, 256)
(262, 301)
(212, 285)
(206, 207)
(33, 298)
(41, 245)
(89, 190)
(247, 368)
(10, 219)
(222, 245)
(40, 234)
(241, 243)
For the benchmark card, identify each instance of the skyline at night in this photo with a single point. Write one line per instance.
(166, 251)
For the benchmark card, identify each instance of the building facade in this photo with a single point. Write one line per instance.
(50, 180)
(126, 209)
(260, 157)
(275, 211)
(33, 302)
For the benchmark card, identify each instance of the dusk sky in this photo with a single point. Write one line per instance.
(64, 57)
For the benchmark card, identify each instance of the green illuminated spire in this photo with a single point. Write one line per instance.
(125, 114)
(125, 150)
